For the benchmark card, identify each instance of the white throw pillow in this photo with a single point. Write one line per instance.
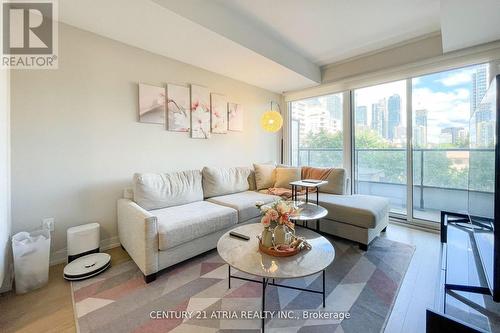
(160, 190)
(222, 181)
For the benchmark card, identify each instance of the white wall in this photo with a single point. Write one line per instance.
(76, 141)
(5, 225)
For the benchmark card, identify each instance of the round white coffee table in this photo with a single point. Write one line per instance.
(246, 257)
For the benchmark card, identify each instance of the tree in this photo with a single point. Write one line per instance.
(380, 160)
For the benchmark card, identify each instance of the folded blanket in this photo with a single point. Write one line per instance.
(315, 173)
(285, 193)
(306, 173)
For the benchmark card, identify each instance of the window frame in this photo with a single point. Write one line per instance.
(347, 91)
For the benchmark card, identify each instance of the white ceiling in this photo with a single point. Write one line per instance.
(327, 31)
(147, 25)
(278, 45)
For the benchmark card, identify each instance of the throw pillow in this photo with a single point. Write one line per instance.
(222, 181)
(264, 175)
(284, 176)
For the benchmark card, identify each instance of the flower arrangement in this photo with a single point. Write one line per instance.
(277, 213)
(276, 238)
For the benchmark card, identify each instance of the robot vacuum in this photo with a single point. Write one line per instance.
(87, 266)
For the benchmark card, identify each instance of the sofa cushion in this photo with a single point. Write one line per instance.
(244, 203)
(336, 182)
(364, 211)
(181, 224)
(264, 175)
(251, 181)
(221, 181)
(284, 176)
(160, 190)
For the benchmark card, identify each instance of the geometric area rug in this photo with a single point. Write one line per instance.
(193, 296)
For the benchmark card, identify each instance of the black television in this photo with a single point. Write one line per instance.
(484, 184)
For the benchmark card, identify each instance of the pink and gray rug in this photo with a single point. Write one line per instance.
(361, 284)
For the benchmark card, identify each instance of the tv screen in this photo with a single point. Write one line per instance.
(484, 194)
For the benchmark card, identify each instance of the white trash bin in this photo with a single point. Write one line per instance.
(31, 259)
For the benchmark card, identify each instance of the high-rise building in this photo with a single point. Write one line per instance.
(479, 86)
(379, 123)
(445, 138)
(485, 134)
(334, 106)
(455, 134)
(299, 115)
(420, 128)
(421, 117)
(393, 115)
(361, 115)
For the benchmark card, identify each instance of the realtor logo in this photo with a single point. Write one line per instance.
(29, 34)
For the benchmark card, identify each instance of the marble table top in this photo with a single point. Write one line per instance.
(309, 211)
(303, 183)
(246, 257)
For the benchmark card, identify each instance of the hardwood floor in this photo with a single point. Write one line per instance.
(50, 308)
(420, 287)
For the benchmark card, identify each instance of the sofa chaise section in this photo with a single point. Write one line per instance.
(356, 217)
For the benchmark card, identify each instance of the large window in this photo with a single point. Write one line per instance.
(316, 131)
(421, 177)
(442, 107)
(380, 142)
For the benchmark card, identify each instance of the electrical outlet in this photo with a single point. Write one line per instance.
(48, 223)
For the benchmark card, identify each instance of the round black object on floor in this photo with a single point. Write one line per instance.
(87, 266)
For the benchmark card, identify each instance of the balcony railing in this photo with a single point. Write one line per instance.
(441, 184)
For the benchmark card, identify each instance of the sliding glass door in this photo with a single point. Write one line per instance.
(380, 143)
(410, 140)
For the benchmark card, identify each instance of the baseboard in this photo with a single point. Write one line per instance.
(61, 256)
(413, 226)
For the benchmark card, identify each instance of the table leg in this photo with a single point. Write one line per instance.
(317, 196)
(317, 225)
(307, 194)
(323, 288)
(263, 320)
(229, 275)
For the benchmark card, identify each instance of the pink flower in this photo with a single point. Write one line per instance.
(273, 214)
(283, 208)
(266, 221)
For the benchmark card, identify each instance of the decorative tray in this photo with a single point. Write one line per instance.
(273, 251)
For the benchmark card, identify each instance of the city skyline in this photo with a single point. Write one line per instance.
(448, 98)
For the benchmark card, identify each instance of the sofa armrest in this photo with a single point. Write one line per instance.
(138, 232)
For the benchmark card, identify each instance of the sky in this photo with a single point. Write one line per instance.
(446, 96)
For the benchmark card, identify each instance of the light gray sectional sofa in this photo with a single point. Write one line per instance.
(168, 218)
